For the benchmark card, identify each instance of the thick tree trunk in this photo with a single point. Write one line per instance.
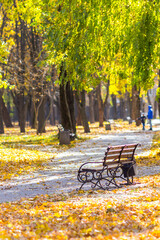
(135, 105)
(1, 119)
(91, 107)
(65, 114)
(67, 107)
(66, 103)
(79, 118)
(81, 106)
(19, 100)
(5, 114)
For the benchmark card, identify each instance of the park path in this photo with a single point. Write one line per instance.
(61, 173)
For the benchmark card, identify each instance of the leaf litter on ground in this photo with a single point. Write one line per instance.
(128, 213)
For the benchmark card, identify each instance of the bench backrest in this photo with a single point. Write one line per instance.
(119, 153)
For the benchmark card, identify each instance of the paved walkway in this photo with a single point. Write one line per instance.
(61, 174)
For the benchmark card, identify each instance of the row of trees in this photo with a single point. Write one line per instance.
(75, 47)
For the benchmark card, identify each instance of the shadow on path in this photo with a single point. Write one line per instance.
(61, 175)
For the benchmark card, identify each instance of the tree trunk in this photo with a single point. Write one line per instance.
(127, 110)
(122, 108)
(66, 103)
(148, 98)
(100, 106)
(114, 102)
(107, 110)
(32, 116)
(22, 115)
(1, 119)
(91, 107)
(64, 109)
(67, 106)
(41, 117)
(5, 114)
(81, 105)
(155, 109)
(107, 103)
(18, 97)
(135, 105)
(79, 118)
(18, 100)
(70, 101)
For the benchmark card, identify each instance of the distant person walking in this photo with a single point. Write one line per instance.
(143, 119)
(150, 116)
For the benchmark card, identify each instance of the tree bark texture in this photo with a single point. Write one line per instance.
(67, 105)
(100, 106)
(79, 117)
(5, 114)
(41, 117)
(81, 105)
(91, 107)
(127, 110)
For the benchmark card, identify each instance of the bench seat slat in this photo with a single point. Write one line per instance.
(113, 152)
(122, 161)
(125, 146)
(126, 155)
(118, 151)
(129, 150)
(116, 156)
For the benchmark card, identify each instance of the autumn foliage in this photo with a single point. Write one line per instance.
(122, 214)
(127, 213)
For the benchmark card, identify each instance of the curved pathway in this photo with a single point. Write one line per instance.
(61, 174)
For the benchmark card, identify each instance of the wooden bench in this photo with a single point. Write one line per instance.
(116, 169)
